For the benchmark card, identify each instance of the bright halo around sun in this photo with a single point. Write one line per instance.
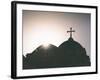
(46, 45)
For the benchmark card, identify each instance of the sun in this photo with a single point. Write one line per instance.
(46, 45)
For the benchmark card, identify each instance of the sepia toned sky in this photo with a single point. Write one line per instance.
(41, 27)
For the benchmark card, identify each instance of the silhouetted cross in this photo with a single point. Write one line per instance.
(71, 31)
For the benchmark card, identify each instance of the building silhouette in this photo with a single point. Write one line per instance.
(69, 54)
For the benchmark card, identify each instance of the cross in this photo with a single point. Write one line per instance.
(71, 32)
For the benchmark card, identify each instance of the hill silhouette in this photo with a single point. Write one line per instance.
(69, 54)
(41, 57)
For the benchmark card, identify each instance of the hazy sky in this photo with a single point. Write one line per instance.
(41, 27)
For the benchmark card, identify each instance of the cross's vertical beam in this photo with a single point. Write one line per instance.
(70, 32)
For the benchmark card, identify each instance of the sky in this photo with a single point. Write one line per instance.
(48, 27)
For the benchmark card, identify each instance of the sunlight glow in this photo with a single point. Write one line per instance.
(46, 45)
(44, 28)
